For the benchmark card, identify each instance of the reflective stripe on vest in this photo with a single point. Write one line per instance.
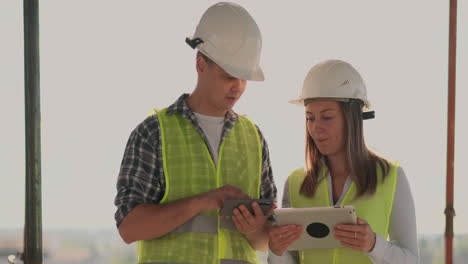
(189, 170)
(375, 209)
(204, 224)
(222, 261)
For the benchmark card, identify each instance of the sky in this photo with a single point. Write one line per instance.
(105, 64)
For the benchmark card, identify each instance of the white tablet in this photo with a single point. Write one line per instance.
(317, 224)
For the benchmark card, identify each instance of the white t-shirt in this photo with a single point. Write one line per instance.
(212, 126)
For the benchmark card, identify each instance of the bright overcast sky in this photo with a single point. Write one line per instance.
(105, 64)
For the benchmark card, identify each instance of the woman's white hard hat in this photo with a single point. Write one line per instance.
(335, 80)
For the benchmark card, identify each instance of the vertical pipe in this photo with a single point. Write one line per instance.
(33, 215)
(449, 209)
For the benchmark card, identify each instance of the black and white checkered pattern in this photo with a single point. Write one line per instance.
(141, 178)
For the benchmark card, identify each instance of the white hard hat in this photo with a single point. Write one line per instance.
(333, 79)
(229, 36)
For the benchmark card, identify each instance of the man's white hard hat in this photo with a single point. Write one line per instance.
(229, 36)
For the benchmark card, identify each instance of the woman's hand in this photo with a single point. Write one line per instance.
(280, 237)
(358, 237)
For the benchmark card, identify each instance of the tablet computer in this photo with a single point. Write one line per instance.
(231, 204)
(317, 224)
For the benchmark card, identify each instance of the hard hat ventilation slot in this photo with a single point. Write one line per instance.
(346, 82)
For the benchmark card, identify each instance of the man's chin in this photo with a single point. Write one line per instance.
(230, 105)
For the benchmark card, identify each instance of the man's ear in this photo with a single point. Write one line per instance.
(201, 64)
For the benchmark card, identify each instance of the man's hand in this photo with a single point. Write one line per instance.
(247, 223)
(254, 227)
(214, 199)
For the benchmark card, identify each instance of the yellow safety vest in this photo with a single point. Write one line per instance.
(375, 209)
(189, 170)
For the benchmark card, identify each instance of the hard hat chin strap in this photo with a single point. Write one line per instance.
(368, 115)
(193, 42)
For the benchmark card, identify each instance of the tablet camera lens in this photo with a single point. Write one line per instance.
(318, 230)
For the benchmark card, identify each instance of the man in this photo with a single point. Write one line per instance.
(182, 162)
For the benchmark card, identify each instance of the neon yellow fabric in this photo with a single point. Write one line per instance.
(189, 170)
(375, 209)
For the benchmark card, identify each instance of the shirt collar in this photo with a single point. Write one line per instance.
(180, 107)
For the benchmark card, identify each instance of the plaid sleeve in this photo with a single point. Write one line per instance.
(141, 178)
(267, 187)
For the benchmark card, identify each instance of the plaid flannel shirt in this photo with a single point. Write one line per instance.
(141, 178)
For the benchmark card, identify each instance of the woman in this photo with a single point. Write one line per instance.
(341, 170)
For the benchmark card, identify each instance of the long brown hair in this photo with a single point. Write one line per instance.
(361, 162)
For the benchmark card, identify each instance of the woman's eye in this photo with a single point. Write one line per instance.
(327, 118)
(310, 118)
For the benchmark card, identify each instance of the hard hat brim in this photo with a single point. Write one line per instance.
(297, 102)
(366, 107)
(254, 75)
(303, 101)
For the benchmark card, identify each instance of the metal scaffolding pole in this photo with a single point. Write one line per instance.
(449, 209)
(33, 215)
